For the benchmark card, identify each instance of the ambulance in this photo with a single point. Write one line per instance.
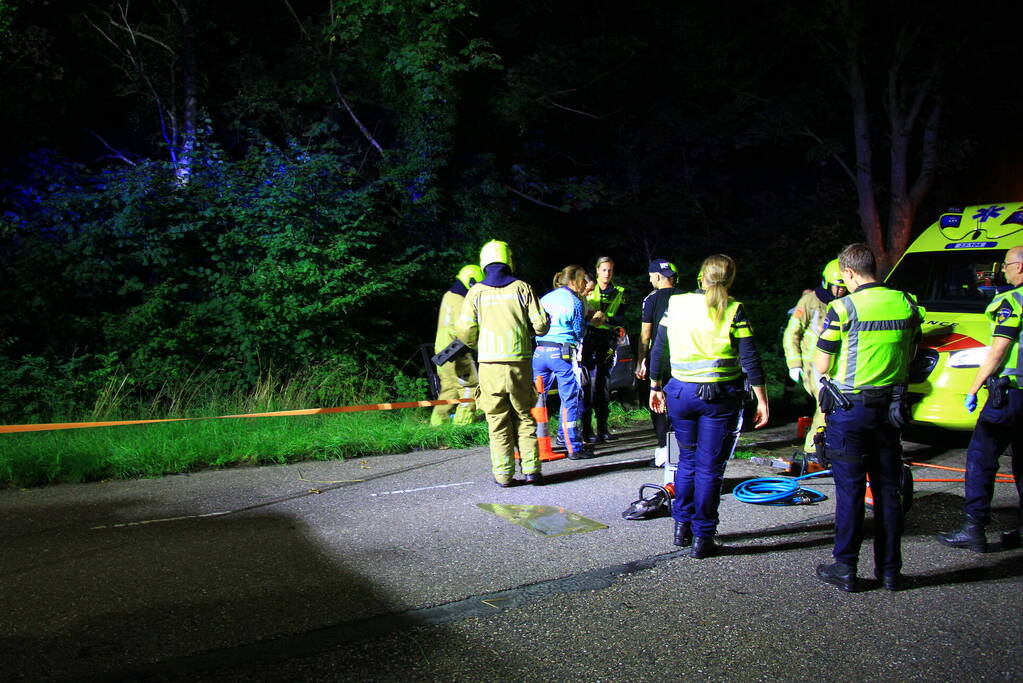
(954, 269)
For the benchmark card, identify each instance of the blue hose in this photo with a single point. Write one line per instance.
(779, 490)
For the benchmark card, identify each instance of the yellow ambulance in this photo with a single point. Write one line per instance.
(954, 269)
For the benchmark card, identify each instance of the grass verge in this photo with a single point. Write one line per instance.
(38, 458)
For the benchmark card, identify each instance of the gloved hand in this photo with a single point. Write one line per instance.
(796, 374)
(970, 403)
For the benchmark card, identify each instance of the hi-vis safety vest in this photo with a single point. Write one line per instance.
(609, 303)
(874, 330)
(1005, 312)
(500, 322)
(702, 349)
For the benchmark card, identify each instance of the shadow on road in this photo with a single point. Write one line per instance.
(83, 597)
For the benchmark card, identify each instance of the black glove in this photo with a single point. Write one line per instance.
(898, 411)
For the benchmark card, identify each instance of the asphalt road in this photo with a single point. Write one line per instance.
(385, 568)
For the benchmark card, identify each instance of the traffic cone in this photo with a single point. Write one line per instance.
(543, 436)
(868, 497)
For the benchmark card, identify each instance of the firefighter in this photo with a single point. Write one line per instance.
(556, 352)
(500, 316)
(662, 276)
(457, 376)
(1000, 423)
(868, 340)
(598, 350)
(800, 340)
(710, 345)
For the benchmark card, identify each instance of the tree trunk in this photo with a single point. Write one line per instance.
(190, 109)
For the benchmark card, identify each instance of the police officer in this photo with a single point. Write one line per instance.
(457, 376)
(500, 316)
(598, 349)
(800, 339)
(868, 341)
(554, 358)
(662, 276)
(710, 344)
(1000, 423)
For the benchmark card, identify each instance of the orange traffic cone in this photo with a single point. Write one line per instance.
(868, 497)
(543, 436)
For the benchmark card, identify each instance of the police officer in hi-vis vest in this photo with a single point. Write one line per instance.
(598, 349)
(1000, 423)
(709, 344)
(457, 376)
(500, 316)
(869, 338)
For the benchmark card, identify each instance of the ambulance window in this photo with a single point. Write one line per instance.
(953, 281)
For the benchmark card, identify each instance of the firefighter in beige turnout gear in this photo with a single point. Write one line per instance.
(500, 316)
(458, 376)
(800, 338)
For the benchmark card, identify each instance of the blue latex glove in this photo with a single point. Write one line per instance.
(970, 403)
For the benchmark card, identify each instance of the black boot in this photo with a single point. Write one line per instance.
(703, 546)
(683, 534)
(969, 535)
(838, 574)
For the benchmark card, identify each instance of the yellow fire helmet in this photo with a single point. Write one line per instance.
(470, 275)
(833, 274)
(496, 251)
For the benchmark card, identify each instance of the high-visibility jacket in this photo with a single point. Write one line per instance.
(702, 349)
(500, 322)
(1005, 312)
(608, 301)
(871, 333)
(804, 327)
(450, 309)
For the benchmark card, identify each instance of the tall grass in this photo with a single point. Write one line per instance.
(36, 458)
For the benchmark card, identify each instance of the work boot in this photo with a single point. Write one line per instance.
(534, 478)
(584, 452)
(683, 534)
(838, 574)
(604, 434)
(559, 442)
(890, 582)
(504, 482)
(969, 535)
(703, 546)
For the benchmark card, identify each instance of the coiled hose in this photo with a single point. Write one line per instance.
(779, 490)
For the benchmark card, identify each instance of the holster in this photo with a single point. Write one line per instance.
(997, 391)
(830, 398)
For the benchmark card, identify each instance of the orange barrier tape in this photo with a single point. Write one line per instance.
(10, 429)
(1001, 476)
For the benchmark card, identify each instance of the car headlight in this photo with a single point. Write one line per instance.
(968, 358)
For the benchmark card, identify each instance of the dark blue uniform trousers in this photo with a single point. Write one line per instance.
(706, 435)
(549, 364)
(860, 441)
(996, 429)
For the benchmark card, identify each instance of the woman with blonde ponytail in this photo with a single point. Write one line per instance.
(710, 345)
(556, 351)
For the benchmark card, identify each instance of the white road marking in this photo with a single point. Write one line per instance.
(424, 488)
